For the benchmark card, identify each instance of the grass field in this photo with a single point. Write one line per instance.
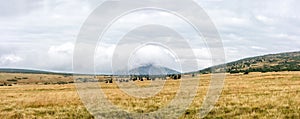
(256, 95)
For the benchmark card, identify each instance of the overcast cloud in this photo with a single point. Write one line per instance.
(41, 34)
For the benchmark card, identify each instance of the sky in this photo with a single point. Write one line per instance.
(42, 34)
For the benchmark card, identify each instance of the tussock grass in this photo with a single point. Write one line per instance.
(256, 95)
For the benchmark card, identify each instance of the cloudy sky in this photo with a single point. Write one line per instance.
(41, 34)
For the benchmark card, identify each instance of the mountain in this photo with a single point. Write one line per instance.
(152, 70)
(30, 71)
(289, 61)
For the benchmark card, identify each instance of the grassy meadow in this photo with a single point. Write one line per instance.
(256, 95)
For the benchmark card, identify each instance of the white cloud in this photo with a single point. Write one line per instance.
(63, 49)
(8, 59)
(264, 19)
(60, 56)
(41, 34)
(258, 48)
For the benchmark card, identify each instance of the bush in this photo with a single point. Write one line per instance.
(109, 81)
(62, 82)
(13, 80)
(234, 72)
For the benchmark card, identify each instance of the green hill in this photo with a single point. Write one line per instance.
(289, 61)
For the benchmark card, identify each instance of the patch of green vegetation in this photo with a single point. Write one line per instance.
(267, 63)
(295, 78)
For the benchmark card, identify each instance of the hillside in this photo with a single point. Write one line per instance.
(30, 71)
(289, 61)
(11, 70)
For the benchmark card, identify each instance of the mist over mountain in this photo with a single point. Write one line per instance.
(151, 69)
(289, 61)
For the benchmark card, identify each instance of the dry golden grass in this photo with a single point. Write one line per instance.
(25, 79)
(257, 95)
(41, 101)
(141, 105)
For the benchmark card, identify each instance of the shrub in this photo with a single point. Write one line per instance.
(234, 72)
(13, 80)
(109, 81)
(62, 82)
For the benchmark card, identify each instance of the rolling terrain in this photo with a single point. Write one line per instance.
(289, 61)
(256, 95)
(271, 89)
(14, 70)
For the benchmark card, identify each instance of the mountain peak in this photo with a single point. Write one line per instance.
(151, 69)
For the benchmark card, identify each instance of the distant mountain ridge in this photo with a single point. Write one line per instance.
(30, 71)
(142, 70)
(152, 70)
(14, 70)
(289, 61)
